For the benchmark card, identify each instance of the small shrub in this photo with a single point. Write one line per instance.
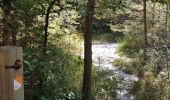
(104, 85)
(131, 44)
(151, 88)
(130, 66)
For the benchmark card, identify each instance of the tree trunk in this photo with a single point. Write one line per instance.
(87, 50)
(166, 18)
(144, 28)
(14, 33)
(47, 23)
(153, 13)
(7, 26)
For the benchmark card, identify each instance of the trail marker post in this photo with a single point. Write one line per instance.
(11, 73)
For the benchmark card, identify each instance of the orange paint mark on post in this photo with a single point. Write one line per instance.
(19, 78)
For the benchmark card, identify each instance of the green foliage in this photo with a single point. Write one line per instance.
(103, 37)
(130, 66)
(26, 11)
(104, 85)
(161, 1)
(131, 44)
(63, 33)
(108, 7)
(154, 72)
(151, 88)
(126, 66)
(159, 57)
(1, 14)
(112, 4)
(56, 75)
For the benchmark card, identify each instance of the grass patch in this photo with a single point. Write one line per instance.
(107, 37)
(151, 88)
(130, 66)
(104, 85)
(131, 44)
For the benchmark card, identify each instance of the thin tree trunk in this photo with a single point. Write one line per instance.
(14, 33)
(87, 79)
(144, 29)
(6, 8)
(166, 18)
(153, 13)
(47, 23)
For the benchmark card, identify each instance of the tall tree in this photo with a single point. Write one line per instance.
(10, 28)
(87, 50)
(50, 6)
(7, 26)
(166, 18)
(153, 12)
(144, 28)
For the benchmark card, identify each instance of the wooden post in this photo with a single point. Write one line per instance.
(2, 77)
(11, 80)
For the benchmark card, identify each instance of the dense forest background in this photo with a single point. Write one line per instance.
(52, 33)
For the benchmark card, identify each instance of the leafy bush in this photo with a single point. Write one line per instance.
(130, 66)
(107, 37)
(155, 83)
(104, 85)
(132, 43)
(151, 88)
(56, 75)
(103, 37)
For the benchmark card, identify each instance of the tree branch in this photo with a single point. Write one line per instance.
(47, 23)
